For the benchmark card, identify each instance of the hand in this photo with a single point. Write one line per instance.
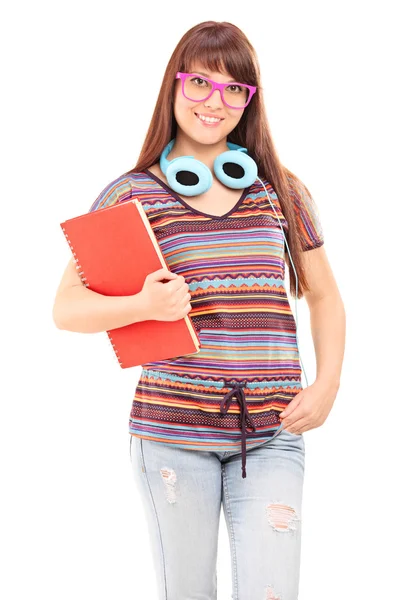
(165, 301)
(310, 408)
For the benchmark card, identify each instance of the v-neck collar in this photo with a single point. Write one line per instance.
(172, 193)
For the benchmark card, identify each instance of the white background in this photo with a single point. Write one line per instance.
(74, 118)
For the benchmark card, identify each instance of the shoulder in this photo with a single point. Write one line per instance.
(119, 189)
(266, 192)
(306, 212)
(261, 187)
(299, 192)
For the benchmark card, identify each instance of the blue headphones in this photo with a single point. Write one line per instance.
(188, 176)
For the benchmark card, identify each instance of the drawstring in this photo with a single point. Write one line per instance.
(244, 414)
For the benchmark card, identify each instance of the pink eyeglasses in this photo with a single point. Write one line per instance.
(198, 88)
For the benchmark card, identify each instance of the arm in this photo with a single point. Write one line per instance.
(80, 309)
(327, 317)
(310, 408)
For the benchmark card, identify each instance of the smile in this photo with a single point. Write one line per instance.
(209, 120)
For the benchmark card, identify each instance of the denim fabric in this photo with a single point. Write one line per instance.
(182, 491)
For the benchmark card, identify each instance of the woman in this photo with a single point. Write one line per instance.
(239, 400)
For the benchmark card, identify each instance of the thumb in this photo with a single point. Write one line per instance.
(161, 274)
(290, 407)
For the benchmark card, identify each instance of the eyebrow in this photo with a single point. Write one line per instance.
(207, 75)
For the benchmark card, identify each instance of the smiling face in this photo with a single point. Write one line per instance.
(188, 113)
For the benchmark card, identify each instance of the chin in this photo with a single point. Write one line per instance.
(211, 138)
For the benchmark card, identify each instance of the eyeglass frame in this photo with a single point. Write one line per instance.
(216, 86)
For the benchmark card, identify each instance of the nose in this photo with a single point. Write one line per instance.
(215, 99)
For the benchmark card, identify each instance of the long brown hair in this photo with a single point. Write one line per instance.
(219, 46)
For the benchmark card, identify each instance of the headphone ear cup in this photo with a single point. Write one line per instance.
(235, 169)
(188, 176)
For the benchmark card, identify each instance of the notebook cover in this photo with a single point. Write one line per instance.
(115, 249)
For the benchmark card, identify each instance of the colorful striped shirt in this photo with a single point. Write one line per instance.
(248, 368)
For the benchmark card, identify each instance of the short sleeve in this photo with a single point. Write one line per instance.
(307, 214)
(118, 190)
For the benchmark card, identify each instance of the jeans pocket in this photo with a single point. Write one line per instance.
(297, 435)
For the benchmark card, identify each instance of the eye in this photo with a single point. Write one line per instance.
(239, 89)
(196, 79)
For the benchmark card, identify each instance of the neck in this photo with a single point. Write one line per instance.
(206, 153)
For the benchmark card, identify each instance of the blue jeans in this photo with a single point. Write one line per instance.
(182, 491)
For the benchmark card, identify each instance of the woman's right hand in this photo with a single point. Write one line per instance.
(165, 301)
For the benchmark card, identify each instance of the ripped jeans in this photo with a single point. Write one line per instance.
(182, 491)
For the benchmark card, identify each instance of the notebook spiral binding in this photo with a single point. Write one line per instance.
(85, 282)
(76, 260)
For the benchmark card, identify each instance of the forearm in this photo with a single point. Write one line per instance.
(328, 328)
(82, 310)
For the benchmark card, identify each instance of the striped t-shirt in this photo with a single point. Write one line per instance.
(228, 396)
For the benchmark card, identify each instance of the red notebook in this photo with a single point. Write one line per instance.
(115, 249)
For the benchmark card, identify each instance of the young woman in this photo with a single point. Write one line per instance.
(227, 217)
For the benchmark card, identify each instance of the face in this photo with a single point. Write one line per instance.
(186, 111)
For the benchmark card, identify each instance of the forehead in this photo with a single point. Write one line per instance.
(202, 69)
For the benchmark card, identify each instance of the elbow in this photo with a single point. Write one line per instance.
(330, 297)
(57, 323)
(56, 316)
(330, 304)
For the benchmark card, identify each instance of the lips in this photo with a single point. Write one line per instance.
(208, 123)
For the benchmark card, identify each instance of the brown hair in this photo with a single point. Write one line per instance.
(223, 46)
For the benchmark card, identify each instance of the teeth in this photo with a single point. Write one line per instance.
(208, 119)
